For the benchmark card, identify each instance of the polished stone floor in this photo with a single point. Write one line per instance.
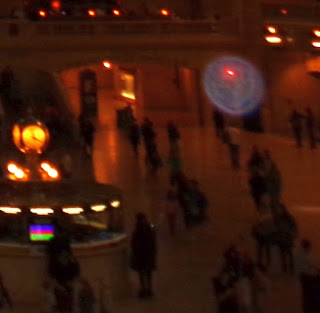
(187, 262)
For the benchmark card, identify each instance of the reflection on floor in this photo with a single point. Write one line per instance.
(187, 262)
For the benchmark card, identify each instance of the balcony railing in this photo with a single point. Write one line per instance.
(15, 28)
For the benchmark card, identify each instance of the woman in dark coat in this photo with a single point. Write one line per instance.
(143, 254)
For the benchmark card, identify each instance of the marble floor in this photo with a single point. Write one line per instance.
(187, 262)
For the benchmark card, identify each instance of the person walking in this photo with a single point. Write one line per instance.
(295, 120)
(308, 273)
(144, 254)
(171, 209)
(310, 124)
(175, 165)
(134, 137)
(173, 136)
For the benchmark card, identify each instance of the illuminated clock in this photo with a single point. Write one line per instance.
(30, 137)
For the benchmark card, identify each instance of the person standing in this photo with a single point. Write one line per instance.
(143, 254)
(295, 120)
(173, 135)
(219, 123)
(310, 124)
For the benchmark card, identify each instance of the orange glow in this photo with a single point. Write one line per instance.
(116, 12)
(45, 166)
(316, 32)
(164, 12)
(19, 173)
(55, 5)
(92, 13)
(42, 13)
(41, 211)
(107, 64)
(316, 44)
(284, 11)
(273, 39)
(53, 173)
(11, 167)
(10, 210)
(271, 29)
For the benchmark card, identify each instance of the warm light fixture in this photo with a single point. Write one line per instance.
(164, 12)
(315, 43)
(92, 13)
(19, 173)
(284, 11)
(98, 207)
(72, 210)
(45, 166)
(272, 29)
(41, 211)
(316, 32)
(56, 5)
(273, 39)
(116, 12)
(10, 210)
(115, 203)
(42, 13)
(53, 173)
(128, 95)
(11, 167)
(107, 64)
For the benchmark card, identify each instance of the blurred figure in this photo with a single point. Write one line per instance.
(219, 123)
(66, 165)
(143, 254)
(225, 294)
(86, 298)
(310, 124)
(273, 179)
(173, 136)
(175, 166)
(308, 273)
(48, 301)
(87, 131)
(5, 298)
(261, 290)
(171, 210)
(295, 120)
(255, 161)
(134, 137)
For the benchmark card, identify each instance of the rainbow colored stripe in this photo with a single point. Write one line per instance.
(41, 232)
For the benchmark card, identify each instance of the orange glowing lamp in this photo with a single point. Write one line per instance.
(273, 39)
(42, 13)
(230, 72)
(92, 13)
(316, 43)
(107, 64)
(116, 12)
(284, 11)
(272, 29)
(316, 32)
(55, 5)
(164, 12)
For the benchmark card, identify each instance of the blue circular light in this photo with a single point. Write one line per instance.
(234, 85)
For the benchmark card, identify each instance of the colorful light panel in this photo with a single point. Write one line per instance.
(41, 232)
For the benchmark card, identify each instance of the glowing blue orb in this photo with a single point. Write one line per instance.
(234, 85)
